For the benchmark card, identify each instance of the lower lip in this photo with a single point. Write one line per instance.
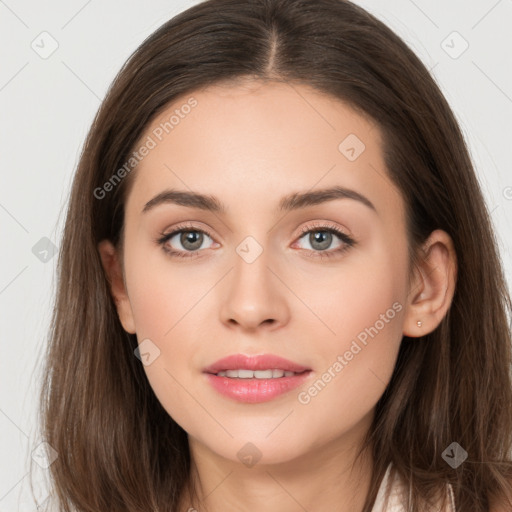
(255, 390)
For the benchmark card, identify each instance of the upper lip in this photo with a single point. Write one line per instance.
(261, 362)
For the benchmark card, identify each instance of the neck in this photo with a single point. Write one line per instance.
(327, 477)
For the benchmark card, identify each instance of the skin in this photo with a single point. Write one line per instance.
(250, 144)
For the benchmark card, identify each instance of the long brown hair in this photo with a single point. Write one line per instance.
(118, 449)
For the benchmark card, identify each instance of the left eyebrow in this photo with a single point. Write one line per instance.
(294, 201)
(299, 200)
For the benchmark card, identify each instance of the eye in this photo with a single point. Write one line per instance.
(321, 237)
(189, 237)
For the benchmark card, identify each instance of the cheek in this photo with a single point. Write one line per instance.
(357, 295)
(361, 308)
(161, 292)
(355, 365)
(166, 302)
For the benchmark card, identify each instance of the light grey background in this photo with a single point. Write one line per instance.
(47, 107)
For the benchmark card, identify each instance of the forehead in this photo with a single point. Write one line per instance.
(254, 141)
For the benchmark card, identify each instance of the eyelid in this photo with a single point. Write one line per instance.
(187, 225)
(318, 224)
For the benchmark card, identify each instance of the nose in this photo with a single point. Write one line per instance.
(254, 294)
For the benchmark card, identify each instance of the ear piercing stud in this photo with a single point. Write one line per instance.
(418, 323)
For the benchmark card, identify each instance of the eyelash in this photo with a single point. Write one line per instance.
(347, 240)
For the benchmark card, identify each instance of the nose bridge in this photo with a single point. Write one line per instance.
(251, 274)
(253, 294)
(251, 262)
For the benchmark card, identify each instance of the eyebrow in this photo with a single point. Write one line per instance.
(294, 201)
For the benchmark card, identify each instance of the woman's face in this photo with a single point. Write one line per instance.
(264, 275)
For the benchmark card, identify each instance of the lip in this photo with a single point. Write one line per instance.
(255, 390)
(260, 362)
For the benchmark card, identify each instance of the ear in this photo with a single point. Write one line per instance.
(114, 274)
(433, 285)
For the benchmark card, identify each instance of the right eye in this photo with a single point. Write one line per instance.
(190, 238)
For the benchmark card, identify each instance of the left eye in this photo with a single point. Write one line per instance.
(321, 239)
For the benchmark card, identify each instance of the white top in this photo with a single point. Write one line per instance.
(396, 498)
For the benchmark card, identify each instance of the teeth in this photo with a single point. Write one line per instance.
(258, 374)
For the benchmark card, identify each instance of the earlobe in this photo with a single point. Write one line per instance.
(433, 286)
(114, 276)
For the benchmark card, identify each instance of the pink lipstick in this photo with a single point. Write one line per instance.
(254, 379)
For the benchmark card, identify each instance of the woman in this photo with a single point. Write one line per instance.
(248, 371)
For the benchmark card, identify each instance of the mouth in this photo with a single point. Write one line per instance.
(254, 379)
